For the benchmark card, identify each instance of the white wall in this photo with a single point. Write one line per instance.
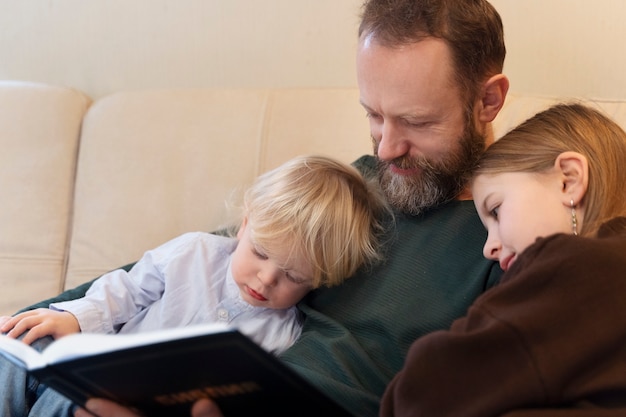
(566, 47)
(556, 47)
(101, 46)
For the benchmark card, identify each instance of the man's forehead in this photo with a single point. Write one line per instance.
(413, 79)
(420, 63)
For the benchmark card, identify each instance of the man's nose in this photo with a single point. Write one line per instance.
(391, 144)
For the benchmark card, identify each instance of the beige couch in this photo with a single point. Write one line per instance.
(87, 186)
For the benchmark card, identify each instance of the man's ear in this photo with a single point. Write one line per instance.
(573, 168)
(492, 98)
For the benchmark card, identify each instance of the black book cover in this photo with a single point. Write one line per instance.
(165, 378)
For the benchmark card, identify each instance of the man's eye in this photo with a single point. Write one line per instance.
(416, 124)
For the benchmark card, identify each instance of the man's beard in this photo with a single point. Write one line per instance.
(436, 182)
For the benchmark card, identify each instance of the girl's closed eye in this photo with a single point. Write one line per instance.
(494, 212)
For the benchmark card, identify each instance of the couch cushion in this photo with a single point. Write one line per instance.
(323, 121)
(156, 164)
(519, 107)
(40, 128)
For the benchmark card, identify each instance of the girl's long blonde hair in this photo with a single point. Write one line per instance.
(534, 146)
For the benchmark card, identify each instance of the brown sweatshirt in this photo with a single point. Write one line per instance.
(548, 341)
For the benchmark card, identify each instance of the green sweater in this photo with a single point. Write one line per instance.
(356, 335)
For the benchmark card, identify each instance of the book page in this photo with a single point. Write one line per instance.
(20, 353)
(87, 344)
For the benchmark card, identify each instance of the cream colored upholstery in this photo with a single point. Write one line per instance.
(155, 164)
(39, 138)
(150, 165)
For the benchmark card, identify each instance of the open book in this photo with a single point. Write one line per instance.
(162, 373)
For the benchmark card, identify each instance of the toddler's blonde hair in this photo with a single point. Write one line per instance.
(324, 210)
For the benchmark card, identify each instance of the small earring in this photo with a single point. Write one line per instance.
(574, 219)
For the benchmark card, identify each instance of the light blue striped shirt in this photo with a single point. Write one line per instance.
(185, 281)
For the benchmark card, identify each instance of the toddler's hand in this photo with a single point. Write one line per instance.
(3, 320)
(39, 323)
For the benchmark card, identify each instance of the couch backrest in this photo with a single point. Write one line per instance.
(155, 164)
(150, 165)
(39, 138)
(519, 107)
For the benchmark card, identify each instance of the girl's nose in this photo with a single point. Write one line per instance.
(492, 249)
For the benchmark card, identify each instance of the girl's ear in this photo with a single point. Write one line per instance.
(493, 96)
(242, 228)
(573, 168)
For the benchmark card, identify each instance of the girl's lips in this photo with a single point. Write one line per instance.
(506, 263)
(255, 294)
